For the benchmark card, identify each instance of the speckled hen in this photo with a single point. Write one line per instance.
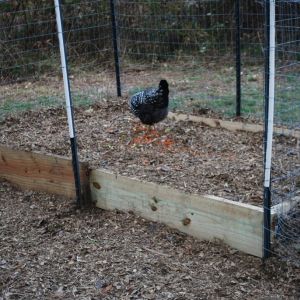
(151, 105)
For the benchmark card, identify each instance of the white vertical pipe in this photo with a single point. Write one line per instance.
(64, 69)
(271, 95)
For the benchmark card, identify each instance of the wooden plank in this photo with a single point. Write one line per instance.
(233, 125)
(40, 172)
(205, 217)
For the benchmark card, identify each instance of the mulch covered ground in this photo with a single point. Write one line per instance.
(50, 250)
(189, 156)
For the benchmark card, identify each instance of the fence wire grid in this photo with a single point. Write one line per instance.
(286, 175)
(190, 43)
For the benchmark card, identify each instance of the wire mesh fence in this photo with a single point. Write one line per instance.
(28, 50)
(30, 61)
(286, 174)
(192, 44)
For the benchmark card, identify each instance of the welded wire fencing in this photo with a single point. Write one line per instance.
(190, 43)
(286, 174)
(30, 59)
(195, 45)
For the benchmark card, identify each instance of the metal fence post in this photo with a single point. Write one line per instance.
(238, 57)
(115, 45)
(69, 102)
(269, 116)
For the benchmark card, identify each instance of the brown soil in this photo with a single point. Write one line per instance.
(50, 250)
(189, 156)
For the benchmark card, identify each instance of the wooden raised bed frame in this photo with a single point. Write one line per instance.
(205, 217)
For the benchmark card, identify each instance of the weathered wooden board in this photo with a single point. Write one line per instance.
(233, 125)
(205, 217)
(40, 172)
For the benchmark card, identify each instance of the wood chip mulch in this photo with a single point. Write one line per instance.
(188, 156)
(50, 250)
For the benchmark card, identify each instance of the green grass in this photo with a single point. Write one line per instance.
(83, 100)
(14, 106)
(287, 99)
(11, 105)
(286, 109)
(225, 104)
(191, 90)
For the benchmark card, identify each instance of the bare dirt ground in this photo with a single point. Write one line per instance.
(189, 156)
(50, 250)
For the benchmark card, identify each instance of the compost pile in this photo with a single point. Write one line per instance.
(185, 155)
(50, 250)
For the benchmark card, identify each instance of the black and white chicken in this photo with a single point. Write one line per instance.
(151, 105)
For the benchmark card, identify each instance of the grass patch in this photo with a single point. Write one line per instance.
(191, 88)
(83, 100)
(12, 106)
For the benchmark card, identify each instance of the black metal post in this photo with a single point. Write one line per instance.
(115, 45)
(238, 57)
(69, 102)
(267, 222)
(267, 190)
(76, 170)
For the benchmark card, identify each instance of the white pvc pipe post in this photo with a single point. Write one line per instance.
(64, 69)
(267, 179)
(69, 105)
